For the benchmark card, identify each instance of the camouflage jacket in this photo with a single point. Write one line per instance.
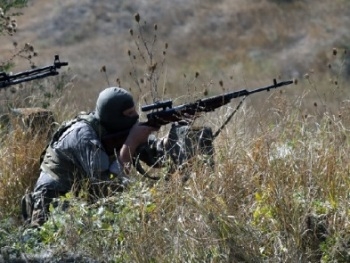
(76, 153)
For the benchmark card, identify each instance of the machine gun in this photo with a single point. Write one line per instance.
(7, 80)
(164, 113)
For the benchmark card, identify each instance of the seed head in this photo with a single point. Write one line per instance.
(197, 74)
(221, 83)
(166, 45)
(137, 17)
(103, 68)
(9, 28)
(28, 47)
(335, 51)
(205, 92)
(153, 67)
(315, 104)
(155, 27)
(295, 81)
(13, 90)
(129, 53)
(131, 31)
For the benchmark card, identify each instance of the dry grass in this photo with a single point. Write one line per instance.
(218, 40)
(279, 192)
(20, 153)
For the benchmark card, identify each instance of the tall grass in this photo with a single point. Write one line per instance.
(278, 193)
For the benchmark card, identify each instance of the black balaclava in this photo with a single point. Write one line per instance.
(110, 105)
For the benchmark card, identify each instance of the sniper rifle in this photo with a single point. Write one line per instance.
(164, 113)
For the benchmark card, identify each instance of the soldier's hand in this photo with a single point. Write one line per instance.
(139, 133)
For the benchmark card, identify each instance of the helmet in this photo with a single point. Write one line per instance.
(110, 105)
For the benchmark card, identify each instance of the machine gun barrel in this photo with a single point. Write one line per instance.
(7, 80)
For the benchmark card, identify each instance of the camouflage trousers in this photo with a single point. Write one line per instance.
(35, 206)
(185, 145)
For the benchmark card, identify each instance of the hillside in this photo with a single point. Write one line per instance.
(248, 41)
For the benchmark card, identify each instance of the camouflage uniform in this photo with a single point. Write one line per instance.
(74, 159)
(184, 144)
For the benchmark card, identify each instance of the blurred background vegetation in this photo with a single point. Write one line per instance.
(244, 43)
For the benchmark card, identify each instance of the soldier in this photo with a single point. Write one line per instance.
(75, 157)
(78, 155)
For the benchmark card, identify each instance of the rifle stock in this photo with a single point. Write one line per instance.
(169, 114)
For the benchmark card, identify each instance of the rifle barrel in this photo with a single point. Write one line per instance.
(274, 86)
(204, 105)
(36, 73)
(29, 78)
(214, 102)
